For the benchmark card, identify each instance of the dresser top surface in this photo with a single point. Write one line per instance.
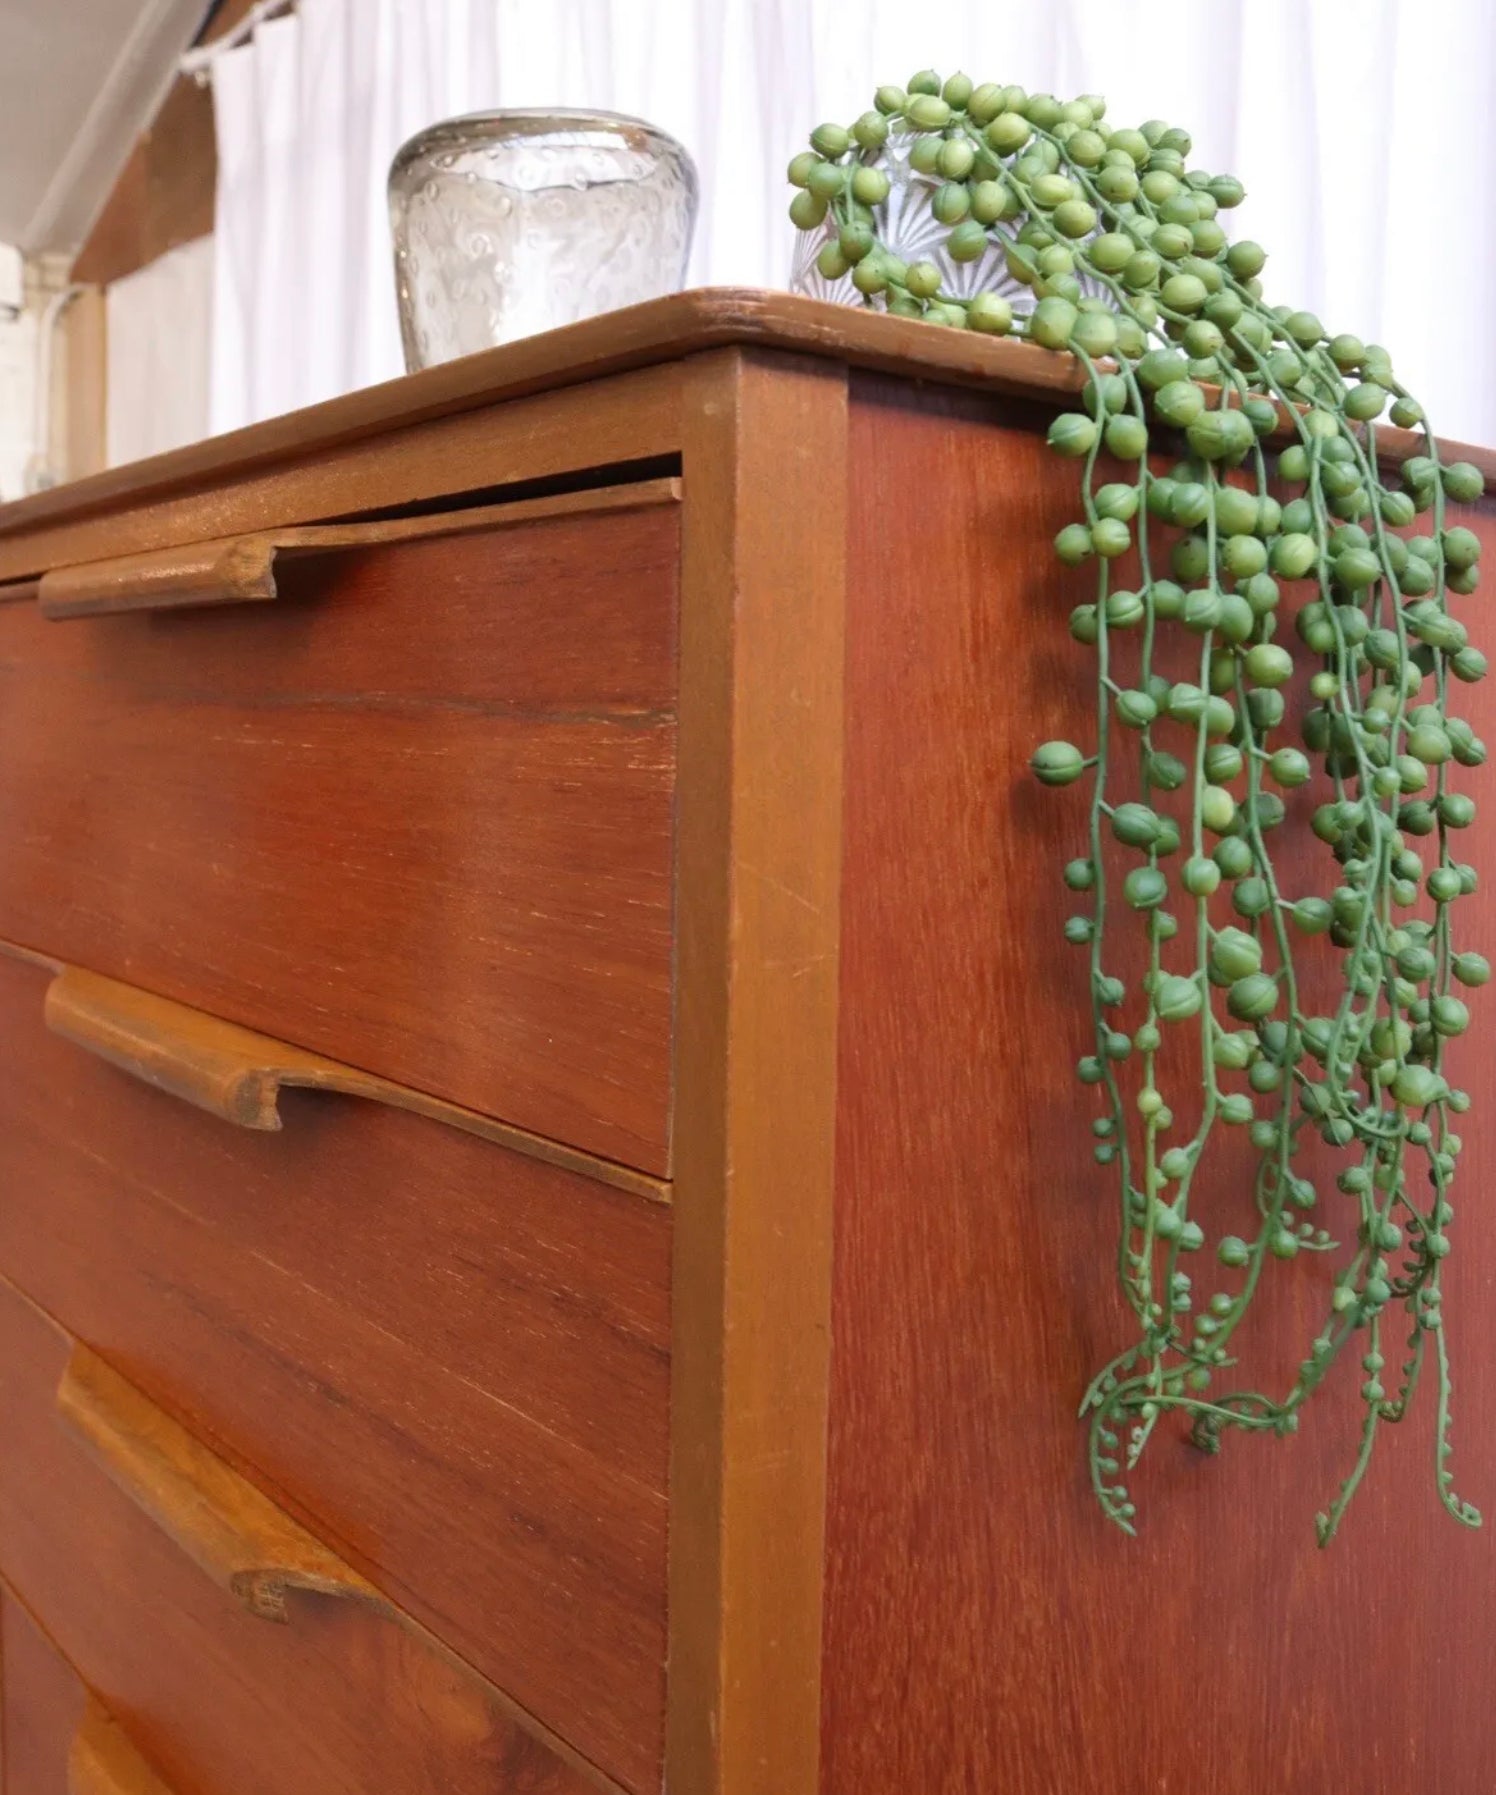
(662, 330)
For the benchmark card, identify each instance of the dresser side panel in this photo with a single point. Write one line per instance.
(985, 1628)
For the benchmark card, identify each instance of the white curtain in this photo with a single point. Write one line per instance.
(1362, 129)
(157, 354)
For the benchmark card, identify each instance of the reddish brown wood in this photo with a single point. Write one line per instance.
(103, 1760)
(564, 438)
(238, 1075)
(44, 1706)
(283, 470)
(59, 1740)
(986, 1630)
(449, 1361)
(242, 1541)
(242, 569)
(452, 1366)
(275, 472)
(232, 1531)
(429, 839)
(338, 1702)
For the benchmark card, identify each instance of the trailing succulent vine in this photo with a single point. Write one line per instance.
(1114, 250)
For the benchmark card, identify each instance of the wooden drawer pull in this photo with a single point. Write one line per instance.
(224, 1524)
(237, 1074)
(241, 569)
(102, 1760)
(239, 1537)
(230, 1071)
(210, 573)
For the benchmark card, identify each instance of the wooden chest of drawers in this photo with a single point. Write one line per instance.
(532, 1038)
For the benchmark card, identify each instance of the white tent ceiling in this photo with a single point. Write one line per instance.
(79, 79)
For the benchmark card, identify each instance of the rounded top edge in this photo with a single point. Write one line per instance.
(522, 121)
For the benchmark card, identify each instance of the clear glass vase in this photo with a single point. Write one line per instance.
(508, 223)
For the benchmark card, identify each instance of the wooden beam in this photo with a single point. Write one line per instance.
(164, 196)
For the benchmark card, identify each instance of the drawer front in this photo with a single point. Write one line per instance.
(416, 813)
(450, 1359)
(44, 1705)
(59, 1739)
(340, 1699)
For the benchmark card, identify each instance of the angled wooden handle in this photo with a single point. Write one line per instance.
(227, 1527)
(245, 1544)
(102, 1760)
(241, 569)
(238, 1075)
(215, 1065)
(211, 573)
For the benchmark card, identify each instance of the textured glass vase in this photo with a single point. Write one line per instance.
(508, 223)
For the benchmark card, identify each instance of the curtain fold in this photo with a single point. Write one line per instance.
(1326, 109)
(156, 338)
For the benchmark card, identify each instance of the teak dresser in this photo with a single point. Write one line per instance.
(547, 1238)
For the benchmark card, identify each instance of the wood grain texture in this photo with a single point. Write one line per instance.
(629, 428)
(242, 569)
(431, 841)
(985, 1629)
(230, 1530)
(449, 1362)
(338, 1703)
(636, 340)
(44, 1706)
(761, 670)
(103, 1761)
(641, 337)
(238, 1075)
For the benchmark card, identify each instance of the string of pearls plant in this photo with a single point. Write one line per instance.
(1114, 250)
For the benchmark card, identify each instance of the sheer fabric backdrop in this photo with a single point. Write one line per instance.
(1362, 129)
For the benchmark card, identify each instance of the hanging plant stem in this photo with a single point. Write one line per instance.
(1107, 247)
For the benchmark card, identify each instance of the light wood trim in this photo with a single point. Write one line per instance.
(79, 410)
(103, 1761)
(759, 869)
(211, 573)
(242, 569)
(238, 1075)
(235, 1535)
